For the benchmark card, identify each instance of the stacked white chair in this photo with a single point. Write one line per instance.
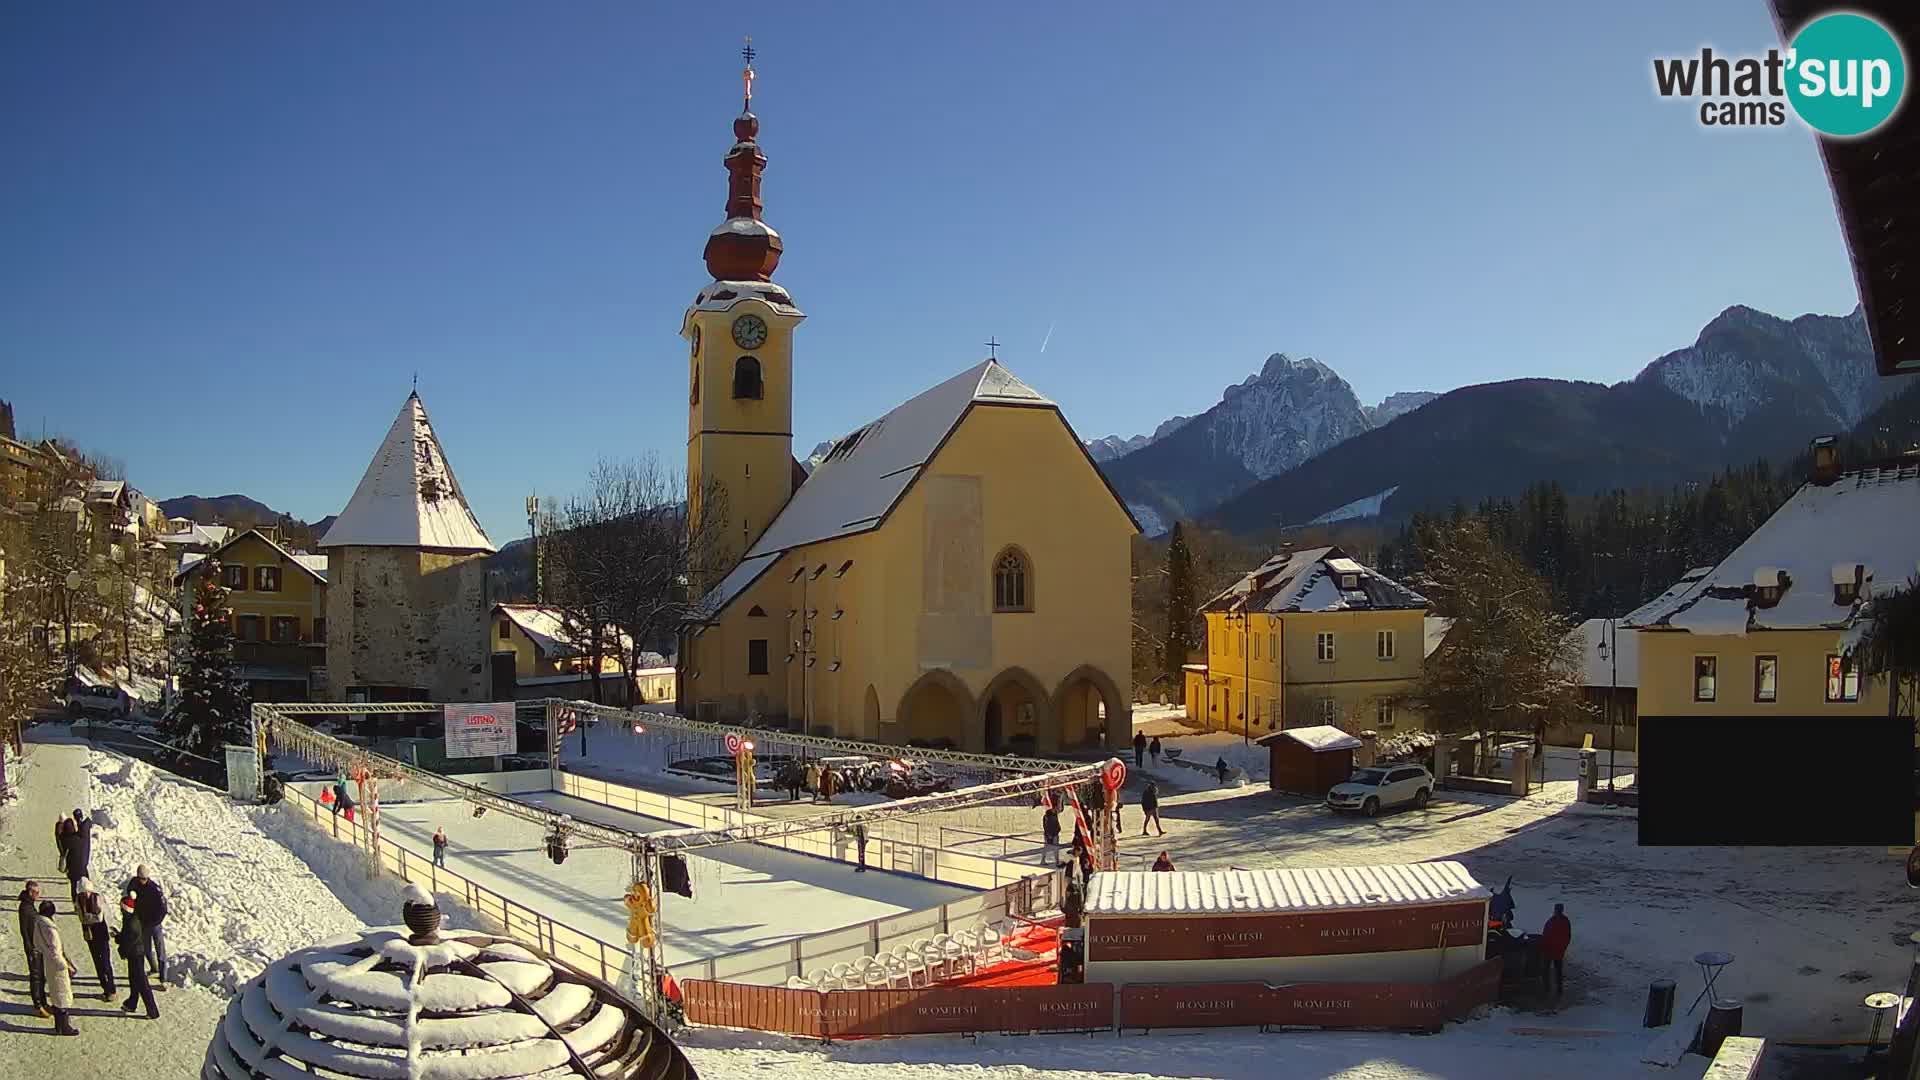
(958, 955)
(878, 975)
(934, 958)
(795, 982)
(821, 980)
(992, 945)
(841, 974)
(913, 964)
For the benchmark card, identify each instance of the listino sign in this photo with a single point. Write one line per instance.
(479, 730)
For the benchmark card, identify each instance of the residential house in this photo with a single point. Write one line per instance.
(1766, 632)
(1310, 638)
(278, 602)
(547, 662)
(953, 573)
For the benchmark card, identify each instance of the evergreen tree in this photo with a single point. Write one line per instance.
(211, 710)
(1181, 633)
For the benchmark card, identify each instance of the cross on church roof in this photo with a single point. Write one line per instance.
(746, 76)
(993, 348)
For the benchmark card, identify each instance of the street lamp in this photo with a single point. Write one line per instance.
(1610, 652)
(74, 581)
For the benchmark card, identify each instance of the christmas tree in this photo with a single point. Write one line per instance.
(211, 710)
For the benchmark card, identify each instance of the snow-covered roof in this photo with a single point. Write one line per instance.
(1619, 665)
(469, 1006)
(1643, 614)
(546, 627)
(722, 295)
(198, 535)
(1436, 631)
(744, 226)
(1308, 580)
(408, 496)
(1868, 516)
(1195, 892)
(105, 490)
(312, 564)
(1318, 737)
(867, 471)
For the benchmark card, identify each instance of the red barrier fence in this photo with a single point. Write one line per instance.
(932, 1011)
(938, 1010)
(1332, 1005)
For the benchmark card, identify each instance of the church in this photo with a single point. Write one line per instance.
(955, 573)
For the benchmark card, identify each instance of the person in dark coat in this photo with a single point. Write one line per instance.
(1164, 863)
(1220, 770)
(860, 842)
(133, 949)
(1554, 939)
(1153, 749)
(98, 938)
(440, 847)
(36, 981)
(1139, 748)
(62, 841)
(151, 905)
(1050, 835)
(79, 851)
(1150, 809)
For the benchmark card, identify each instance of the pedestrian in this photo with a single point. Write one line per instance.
(860, 842)
(79, 850)
(133, 949)
(1117, 827)
(1164, 863)
(794, 777)
(94, 932)
(62, 841)
(1139, 749)
(1150, 809)
(1153, 750)
(829, 782)
(1220, 770)
(1050, 835)
(36, 983)
(151, 905)
(440, 846)
(56, 971)
(813, 780)
(1554, 939)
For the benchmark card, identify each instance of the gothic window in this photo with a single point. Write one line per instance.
(1012, 582)
(746, 378)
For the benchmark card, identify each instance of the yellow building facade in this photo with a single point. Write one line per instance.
(1305, 639)
(954, 573)
(278, 604)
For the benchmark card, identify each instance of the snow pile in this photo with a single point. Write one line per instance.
(245, 885)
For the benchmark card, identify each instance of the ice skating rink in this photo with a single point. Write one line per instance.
(744, 895)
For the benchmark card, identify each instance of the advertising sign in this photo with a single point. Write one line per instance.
(243, 772)
(1312, 933)
(480, 730)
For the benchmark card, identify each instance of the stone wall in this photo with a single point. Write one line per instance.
(401, 617)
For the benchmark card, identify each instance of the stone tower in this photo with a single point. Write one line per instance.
(407, 596)
(739, 331)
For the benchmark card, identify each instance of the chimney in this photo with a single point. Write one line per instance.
(1826, 459)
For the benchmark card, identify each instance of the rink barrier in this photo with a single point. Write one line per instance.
(883, 853)
(959, 1010)
(771, 964)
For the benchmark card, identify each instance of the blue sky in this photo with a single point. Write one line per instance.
(234, 231)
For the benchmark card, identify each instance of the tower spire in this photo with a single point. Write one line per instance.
(743, 248)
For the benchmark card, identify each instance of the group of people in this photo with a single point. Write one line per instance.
(141, 938)
(1144, 748)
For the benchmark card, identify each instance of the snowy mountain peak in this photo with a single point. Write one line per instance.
(1749, 365)
(1397, 405)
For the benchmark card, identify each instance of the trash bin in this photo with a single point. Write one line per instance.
(1660, 1003)
(1723, 1019)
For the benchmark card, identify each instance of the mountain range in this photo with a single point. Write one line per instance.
(1751, 386)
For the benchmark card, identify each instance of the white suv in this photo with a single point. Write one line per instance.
(109, 701)
(1377, 786)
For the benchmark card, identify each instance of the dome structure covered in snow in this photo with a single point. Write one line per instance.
(412, 1004)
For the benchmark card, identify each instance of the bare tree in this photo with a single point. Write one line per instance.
(624, 559)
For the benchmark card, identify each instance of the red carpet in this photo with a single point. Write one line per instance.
(1041, 939)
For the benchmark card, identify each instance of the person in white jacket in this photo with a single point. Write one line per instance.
(55, 968)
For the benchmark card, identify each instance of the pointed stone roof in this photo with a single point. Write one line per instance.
(408, 497)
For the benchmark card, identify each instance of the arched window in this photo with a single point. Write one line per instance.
(746, 378)
(1012, 582)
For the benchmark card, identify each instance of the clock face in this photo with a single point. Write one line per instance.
(749, 332)
(696, 340)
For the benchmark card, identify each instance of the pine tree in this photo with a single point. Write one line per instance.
(211, 710)
(1180, 610)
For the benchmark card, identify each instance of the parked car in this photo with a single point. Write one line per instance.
(1369, 790)
(108, 701)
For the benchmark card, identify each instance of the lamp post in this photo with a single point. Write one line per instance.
(1610, 652)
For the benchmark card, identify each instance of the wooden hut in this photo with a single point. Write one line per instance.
(1309, 760)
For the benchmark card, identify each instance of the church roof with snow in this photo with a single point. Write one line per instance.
(1310, 580)
(409, 497)
(863, 477)
(1812, 565)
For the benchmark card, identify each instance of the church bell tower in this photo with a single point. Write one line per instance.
(739, 333)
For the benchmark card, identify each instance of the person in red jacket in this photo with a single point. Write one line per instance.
(1554, 939)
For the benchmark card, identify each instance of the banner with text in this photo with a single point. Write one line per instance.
(480, 730)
